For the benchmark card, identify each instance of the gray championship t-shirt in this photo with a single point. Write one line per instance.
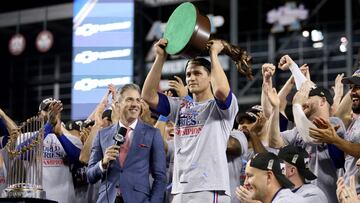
(320, 162)
(235, 163)
(311, 193)
(202, 130)
(286, 196)
(352, 135)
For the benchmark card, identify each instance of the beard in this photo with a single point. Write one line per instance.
(356, 108)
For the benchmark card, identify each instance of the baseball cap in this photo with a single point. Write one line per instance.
(322, 92)
(298, 157)
(250, 114)
(107, 114)
(270, 162)
(354, 79)
(44, 105)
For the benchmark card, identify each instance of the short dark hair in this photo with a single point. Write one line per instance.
(107, 114)
(200, 61)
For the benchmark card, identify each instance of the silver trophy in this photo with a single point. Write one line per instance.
(25, 161)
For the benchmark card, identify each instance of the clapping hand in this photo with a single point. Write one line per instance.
(55, 116)
(347, 194)
(245, 195)
(324, 132)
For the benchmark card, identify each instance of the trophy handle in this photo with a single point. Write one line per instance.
(241, 57)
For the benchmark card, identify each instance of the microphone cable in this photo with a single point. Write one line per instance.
(119, 140)
(106, 184)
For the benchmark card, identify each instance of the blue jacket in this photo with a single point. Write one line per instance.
(146, 155)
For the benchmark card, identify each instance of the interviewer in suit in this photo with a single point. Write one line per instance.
(128, 182)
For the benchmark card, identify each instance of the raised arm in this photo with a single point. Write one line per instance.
(86, 150)
(284, 92)
(219, 81)
(268, 71)
(286, 63)
(339, 93)
(272, 127)
(10, 124)
(7, 126)
(301, 121)
(255, 140)
(151, 84)
(69, 145)
(344, 109)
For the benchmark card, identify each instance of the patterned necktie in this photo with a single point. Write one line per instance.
(124, 148)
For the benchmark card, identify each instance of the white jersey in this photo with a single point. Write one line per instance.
(57, 178)
(312, 193)
(202, 130)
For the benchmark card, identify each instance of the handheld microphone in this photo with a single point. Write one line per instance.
(119, 137)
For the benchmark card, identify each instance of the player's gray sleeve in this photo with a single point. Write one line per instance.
(289, 136)
(229, 113)
(338, 122)
(174, 107)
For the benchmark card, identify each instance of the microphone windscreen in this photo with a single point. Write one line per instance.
(119, 137)
(122, 131)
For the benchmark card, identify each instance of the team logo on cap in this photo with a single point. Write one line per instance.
(283, 168)
(270, 164)
(251, 114)
(257, 107)
(306, 162)
(356, 73)
(294, 159)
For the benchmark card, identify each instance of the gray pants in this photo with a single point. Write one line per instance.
(202, 196)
